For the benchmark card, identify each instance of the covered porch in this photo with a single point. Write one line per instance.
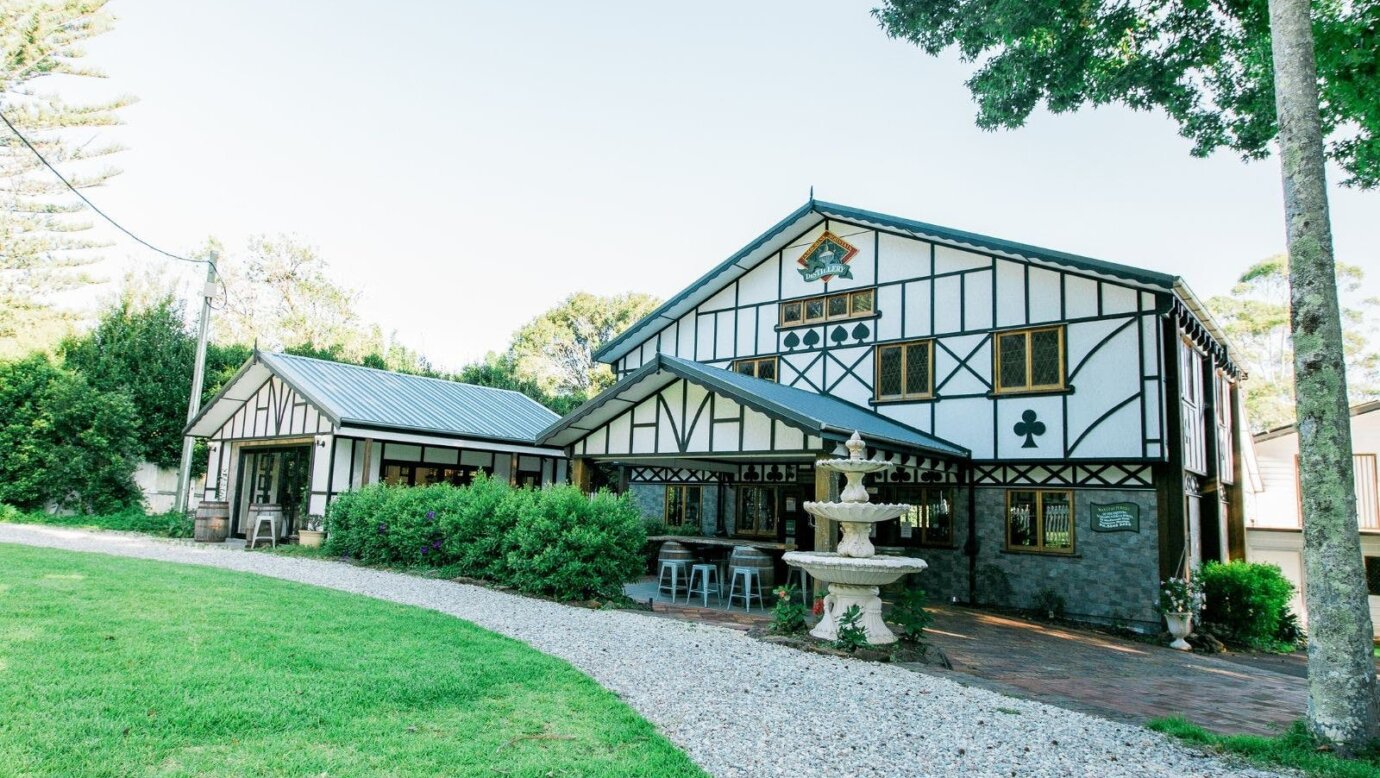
(725, 459)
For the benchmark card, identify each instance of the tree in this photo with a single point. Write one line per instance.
(556, 349)
(500, 372)
(147, 353)
(43, 251)
(1241, 75)
(1256, 319)
(65, 443)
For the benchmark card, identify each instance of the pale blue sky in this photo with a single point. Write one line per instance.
(469, 164)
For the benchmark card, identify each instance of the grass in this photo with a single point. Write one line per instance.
(123, 667)
(1294, 749)
(168, 525)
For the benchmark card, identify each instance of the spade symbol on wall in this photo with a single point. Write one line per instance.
(861, 331)
(839, 335)
(792, 340)
(811, 339)
(1029, 426)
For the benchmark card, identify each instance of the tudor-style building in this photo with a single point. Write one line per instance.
(1060, 423)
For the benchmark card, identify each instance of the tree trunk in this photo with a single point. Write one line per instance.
(1342, 704)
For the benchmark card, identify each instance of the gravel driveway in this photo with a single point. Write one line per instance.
(740, 707)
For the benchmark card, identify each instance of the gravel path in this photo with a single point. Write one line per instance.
(740, 707)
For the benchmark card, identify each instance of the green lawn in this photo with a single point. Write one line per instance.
(122, 667)
(1294, 749)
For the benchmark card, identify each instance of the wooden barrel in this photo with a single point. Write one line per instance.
(212, 524)
(747, 556)
(673, 551)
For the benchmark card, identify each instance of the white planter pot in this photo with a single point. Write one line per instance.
(310, 538)
(1180, 625)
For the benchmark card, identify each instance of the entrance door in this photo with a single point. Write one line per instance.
(281, 476)
(795, 521)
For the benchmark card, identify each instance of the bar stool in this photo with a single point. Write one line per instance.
(752, 583)
(709, 577)
(799, 572)
(271, 519)
(676, 567)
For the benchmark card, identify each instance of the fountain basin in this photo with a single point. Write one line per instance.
(854, 582)
(856, 512)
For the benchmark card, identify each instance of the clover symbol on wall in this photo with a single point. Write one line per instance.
(1029, 426)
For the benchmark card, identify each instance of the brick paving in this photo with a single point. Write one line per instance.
(1080, 669)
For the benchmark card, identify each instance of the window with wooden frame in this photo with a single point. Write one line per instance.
(758, 509)
(904, 371)
(761, 367)
(683, 505)
(1030, 360)
(1039, 520)
(830, 307)
(929, 522)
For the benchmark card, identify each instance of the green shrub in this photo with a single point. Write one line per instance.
(851, 634)
(788, 614)
(554, 542)
(910, 617)
(1048, 604)
(1245, 602)
(173, 524)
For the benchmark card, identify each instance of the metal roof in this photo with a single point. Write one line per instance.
(357, 396)
(814, 212)
(815, 414)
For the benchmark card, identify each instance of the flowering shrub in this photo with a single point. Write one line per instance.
(1180, 595)
(555, 541)
(787, 615)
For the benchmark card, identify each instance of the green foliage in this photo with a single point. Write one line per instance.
(909, 616)
(851, 635)
(147, 354)
(1180, 595)
(1048, 603)
(1207, 65)
(554, 542)
(64, 442)
(500, 372)
(205, 672)
(556, 349)
(1244, 602)
(1294, 750)
(173, 524)
(1256, 318)
(788, 614)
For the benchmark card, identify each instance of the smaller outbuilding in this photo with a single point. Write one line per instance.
(295, 432)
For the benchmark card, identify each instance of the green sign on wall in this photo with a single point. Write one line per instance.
(1115, 517)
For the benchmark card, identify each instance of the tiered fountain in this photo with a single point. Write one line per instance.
(854, 572)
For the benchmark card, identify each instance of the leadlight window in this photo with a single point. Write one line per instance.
(424, 474)
(1039, 521)
(683, 505)
(762, 367)
(757, 511)
(905, 371)
(1029, 360)
(831, 307)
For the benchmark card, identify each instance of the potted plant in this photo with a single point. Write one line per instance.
(1180, 599)
(311, 534)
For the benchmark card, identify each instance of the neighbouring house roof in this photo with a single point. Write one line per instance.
(1359, 409)
(814, 211)
(816, 414)
(354, 396)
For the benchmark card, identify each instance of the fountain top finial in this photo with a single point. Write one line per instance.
(855, 446)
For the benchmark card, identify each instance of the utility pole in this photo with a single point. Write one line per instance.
(184, 470)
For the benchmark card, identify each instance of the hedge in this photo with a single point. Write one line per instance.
(1245, 603)
(554, 542)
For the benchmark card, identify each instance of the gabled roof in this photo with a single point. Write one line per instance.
(814, 211)
(1360, 409)
(815, 414)
(356, 396)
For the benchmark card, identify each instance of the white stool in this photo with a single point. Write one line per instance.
(271, 519)
(677, 569)
(709, 576)
(799, 572)
(752, 584)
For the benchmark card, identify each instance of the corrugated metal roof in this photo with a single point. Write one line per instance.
(818, 414)
(366, 397)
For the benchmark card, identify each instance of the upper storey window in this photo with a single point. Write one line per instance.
(762, 367)
(829, 307)
(1029, 360)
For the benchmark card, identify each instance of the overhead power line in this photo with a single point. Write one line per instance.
(97, 209)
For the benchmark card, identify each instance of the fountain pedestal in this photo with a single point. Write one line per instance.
(854, 572)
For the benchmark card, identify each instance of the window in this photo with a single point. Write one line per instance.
(929, 522)
(762, 367)
(815, 310)
(904, 371)
(757, 511)
(1039, 521)
(683, 504)
(1029, 360)
(420, 474)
